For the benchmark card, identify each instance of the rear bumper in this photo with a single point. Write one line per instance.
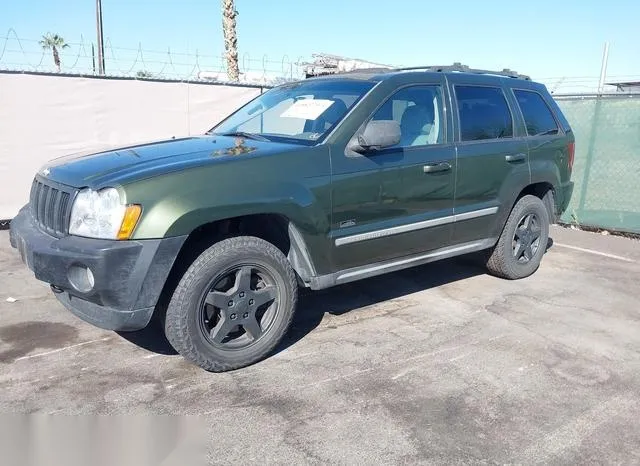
(563, 196)
(128, 276)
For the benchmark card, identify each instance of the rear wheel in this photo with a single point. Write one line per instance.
(523, 241)
(233, 305)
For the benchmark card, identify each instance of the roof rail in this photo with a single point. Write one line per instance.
(465, 69)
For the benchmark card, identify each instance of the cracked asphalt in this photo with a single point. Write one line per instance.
(439, 364)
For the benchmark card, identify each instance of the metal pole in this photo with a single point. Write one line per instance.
(603, 70)
(100, 38)
(593, 134)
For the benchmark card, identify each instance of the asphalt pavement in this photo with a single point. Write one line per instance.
(440, 364)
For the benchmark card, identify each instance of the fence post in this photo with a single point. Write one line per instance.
(589, 158)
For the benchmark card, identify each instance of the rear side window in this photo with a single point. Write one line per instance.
(536, 113)
(484, 113)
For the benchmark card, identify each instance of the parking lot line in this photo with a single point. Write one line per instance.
(62, 349)
(592, 251)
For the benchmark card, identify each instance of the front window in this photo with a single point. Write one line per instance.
(302, 112)
(419, 112)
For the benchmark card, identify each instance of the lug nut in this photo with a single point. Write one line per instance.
(242, 294)
(233, 317)
(245, 315)
(230, 303)
(251, 302)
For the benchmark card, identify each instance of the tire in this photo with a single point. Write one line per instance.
(507, 259)
(202, 308)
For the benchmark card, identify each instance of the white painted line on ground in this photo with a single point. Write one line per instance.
(457, 358)
(592, 251)
(497, 337)
(436, 352)
(402, 373)
(570, 435)
(333, 379)
(62, 349)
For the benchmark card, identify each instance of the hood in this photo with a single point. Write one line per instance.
(126, 164)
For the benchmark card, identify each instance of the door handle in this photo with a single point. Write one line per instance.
(437, 167)
(516, 158)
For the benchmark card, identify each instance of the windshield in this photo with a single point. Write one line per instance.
(302, 112)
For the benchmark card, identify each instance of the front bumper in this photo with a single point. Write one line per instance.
(128, 275)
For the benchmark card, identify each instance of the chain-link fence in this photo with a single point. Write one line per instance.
(19, 53)
(80, 58)
(607, 165)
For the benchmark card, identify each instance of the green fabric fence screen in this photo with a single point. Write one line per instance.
(606, 171)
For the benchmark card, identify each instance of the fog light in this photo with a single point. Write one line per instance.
(81, 278)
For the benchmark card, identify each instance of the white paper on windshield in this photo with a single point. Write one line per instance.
(307, 109)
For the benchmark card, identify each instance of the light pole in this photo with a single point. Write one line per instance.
(100, 39)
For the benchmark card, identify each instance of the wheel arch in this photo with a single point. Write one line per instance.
(543, 189)
(275, 228)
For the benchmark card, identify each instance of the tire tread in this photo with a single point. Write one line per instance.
(500, 262)
(176, 322)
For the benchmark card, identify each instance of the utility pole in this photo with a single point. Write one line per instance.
(100, 38)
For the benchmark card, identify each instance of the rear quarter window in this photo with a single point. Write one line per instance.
(537, 115)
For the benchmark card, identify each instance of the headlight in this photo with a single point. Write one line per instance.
(100, 214)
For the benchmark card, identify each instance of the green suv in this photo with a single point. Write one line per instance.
(312, 184)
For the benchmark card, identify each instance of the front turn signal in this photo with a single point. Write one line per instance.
(129, 222)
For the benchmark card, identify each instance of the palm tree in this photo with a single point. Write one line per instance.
(144, 74)
(54, 42)
(229, 14)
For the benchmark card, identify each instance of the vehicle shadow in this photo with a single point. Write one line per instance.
(151, 338)
(313, 305)
(339, 300)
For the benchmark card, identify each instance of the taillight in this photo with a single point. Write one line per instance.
(571, 149)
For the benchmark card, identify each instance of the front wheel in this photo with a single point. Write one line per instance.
(233, 305)
(523, 241)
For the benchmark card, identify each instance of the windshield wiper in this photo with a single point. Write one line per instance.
(244, 134)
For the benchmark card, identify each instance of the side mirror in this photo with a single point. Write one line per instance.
(377, 135)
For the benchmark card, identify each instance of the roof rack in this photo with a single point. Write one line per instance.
(459, 67)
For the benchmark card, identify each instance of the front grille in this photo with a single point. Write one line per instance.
(51, 206)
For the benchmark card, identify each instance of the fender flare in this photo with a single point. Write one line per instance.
(299, 256)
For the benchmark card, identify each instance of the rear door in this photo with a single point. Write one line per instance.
(493, 160)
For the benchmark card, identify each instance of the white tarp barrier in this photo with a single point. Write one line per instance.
(44, 117)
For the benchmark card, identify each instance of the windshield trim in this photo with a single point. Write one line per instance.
(229, 115)
(294, 140)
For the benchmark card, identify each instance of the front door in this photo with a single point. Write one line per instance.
(400, 201)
